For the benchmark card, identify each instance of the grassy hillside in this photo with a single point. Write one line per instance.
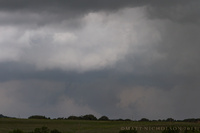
(83, 126)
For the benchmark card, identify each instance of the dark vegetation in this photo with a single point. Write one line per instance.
(37, 130)
(45, 129)
(192, 120)
(37, 117)
(2, 116)
(105, 118)
(144, 119)
(91, 123)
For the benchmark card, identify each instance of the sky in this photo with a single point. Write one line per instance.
(126, 59)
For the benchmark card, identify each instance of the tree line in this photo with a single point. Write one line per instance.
(85, 117)
(105, 118)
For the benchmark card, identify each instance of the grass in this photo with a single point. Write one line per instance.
(83, 126)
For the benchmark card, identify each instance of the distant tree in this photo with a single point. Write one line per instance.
(192, 120)
(2, 116)
(89, 117)
(144, 119)
(104, 118)
(189, 120)
(170, 119)
(74, 118)
(37, 117)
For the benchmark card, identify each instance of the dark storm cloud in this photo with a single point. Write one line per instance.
(39, 13)
(80, 5)
(182, 12)
(65, 5)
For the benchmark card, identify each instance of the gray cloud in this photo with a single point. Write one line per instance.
(83, 4)
(182, 12)
(67, 5)
(124, 59)
(23, 11)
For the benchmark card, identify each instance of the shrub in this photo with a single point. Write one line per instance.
(55, 131)
(37, 130)
(16, 131)
(41, 130)
(45, 130)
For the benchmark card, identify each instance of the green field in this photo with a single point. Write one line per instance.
(83, 126)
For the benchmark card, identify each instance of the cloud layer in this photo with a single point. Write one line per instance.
(123, 59)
